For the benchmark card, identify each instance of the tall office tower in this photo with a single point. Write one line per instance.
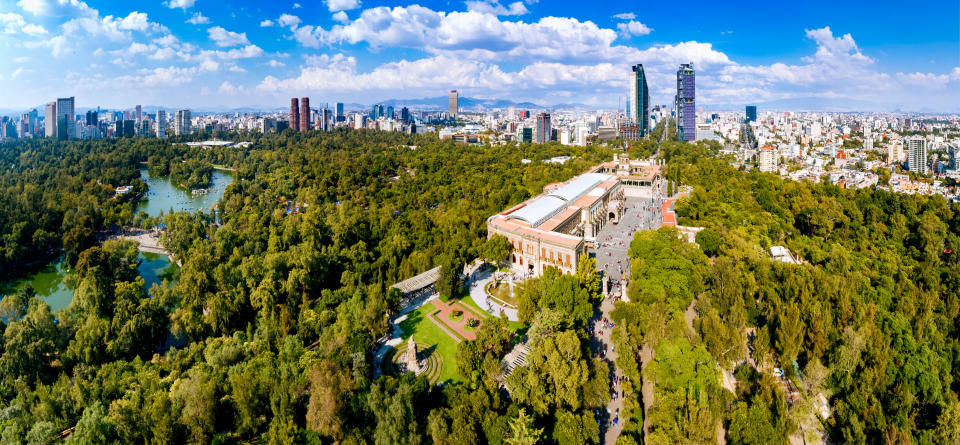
(639, 103)
(66, 117)
(916, 154)
(138, 114)
(685, 103)
(181, 123)
(129, 126)
(161, 124)
(340, 116)
(454, 104)
(91, 118)
(295, 114)
(405, 114)
(751, 113)
(50, 120)
(389, 113)
(304, 114)
(8, 130)
(542, 130)
(23, 128)
(33, 122)
(323, 121)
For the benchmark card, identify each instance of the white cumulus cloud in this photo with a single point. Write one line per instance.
(288, 20)
(34, 30)
(472, 34)
(136, 21)
(182, 4)
(198, 19)
(224, 38)
(494, 7)
(342, 5)
(633, 28)
(341, 17)
(56, 7)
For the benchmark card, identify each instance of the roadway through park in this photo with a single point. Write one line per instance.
(612, 251)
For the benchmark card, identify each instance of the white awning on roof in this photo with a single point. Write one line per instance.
(545, 207)
(538, 211)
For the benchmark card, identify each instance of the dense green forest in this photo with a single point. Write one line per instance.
(273, 315)
(57, 196)
(277, 311)
(869, 320)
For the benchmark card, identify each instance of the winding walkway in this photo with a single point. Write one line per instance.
(603, 342)
(612, 250)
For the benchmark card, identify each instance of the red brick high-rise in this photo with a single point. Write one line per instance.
(294, 114)
(304, 114)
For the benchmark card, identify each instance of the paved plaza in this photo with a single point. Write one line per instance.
(613, 241)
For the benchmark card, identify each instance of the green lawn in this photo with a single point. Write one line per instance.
(425, 331)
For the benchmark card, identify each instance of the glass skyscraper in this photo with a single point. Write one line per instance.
(638, 103)
(66, 120)
(751, 113)
(686, 104)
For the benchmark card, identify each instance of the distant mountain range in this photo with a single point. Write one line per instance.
(428, 103)
(440, 103)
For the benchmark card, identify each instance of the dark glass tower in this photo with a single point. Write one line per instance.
(751, 113)
(639, 99)
(686, 103)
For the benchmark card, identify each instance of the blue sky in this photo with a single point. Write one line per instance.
(205, 54)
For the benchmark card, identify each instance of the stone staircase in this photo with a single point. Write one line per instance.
(516, 357)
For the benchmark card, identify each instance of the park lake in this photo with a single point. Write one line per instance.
(162, 196)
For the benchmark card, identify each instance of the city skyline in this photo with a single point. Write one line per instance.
(192, 54)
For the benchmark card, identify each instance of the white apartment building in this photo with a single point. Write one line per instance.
(916, 154)
(768, 159)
